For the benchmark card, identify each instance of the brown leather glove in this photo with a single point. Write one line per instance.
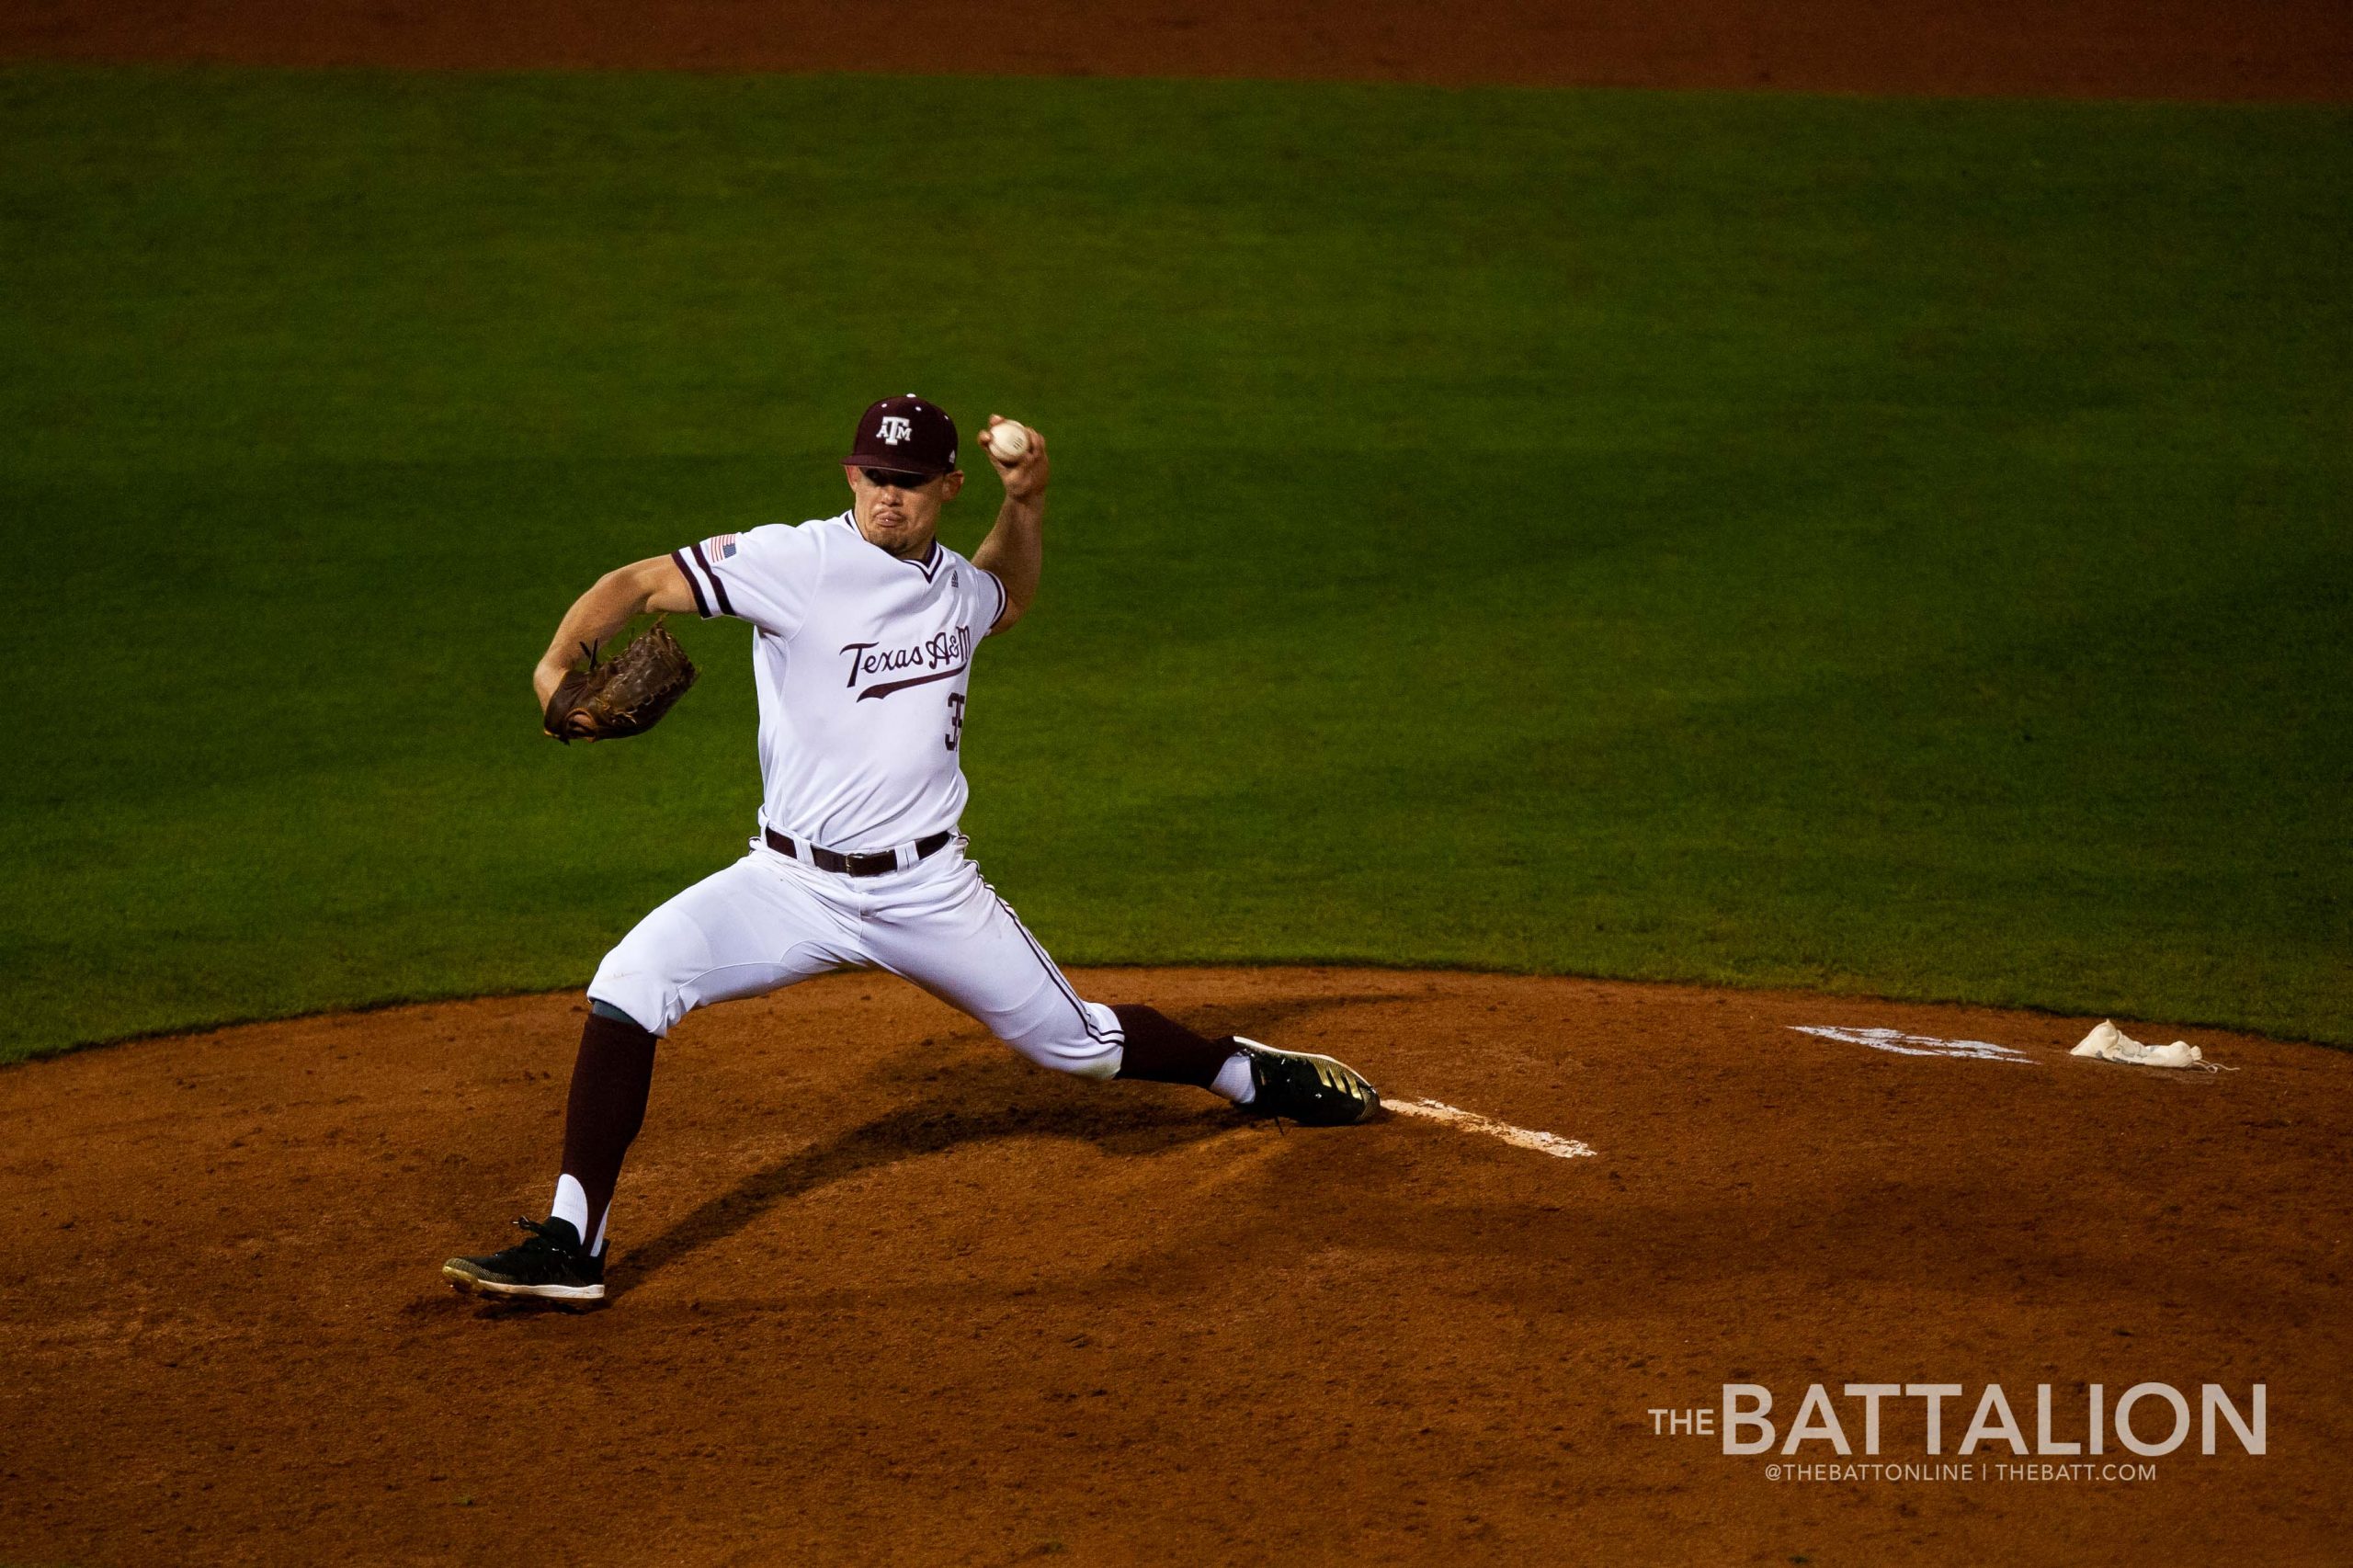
(623, 696)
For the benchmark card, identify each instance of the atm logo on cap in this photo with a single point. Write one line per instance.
(895, 429)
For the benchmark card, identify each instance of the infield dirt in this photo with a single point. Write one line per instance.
(883, 1291)
(2151, 49)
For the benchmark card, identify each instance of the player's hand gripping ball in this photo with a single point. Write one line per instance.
(1006, 442)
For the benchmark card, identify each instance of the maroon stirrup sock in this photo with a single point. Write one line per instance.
(610, 1083)
(1162, 1050)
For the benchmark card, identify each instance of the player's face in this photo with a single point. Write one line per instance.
(900, 512)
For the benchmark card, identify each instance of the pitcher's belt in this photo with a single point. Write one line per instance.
(879, 863)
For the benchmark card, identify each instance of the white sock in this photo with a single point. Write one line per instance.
(1232, 1080)
(572, 1204)
(598, 1250)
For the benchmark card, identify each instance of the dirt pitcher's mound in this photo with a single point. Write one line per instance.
(885, 1293)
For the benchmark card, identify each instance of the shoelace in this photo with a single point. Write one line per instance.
(542, 1234)
(1259, 1085)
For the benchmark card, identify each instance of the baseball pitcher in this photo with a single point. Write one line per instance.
(865, 628)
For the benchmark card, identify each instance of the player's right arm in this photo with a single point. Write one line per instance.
(619, 597)
(1015, 550)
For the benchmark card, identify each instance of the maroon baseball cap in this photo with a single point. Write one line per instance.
(907, 434)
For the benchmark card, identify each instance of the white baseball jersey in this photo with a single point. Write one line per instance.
(863, 661)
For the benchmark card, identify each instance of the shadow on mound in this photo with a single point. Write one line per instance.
(1273, 1019)
(967, 1102)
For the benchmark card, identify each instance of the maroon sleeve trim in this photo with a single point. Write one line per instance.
(686, 570)
(717, 586)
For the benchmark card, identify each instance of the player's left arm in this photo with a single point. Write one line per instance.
(1016, 549)
(618, 598)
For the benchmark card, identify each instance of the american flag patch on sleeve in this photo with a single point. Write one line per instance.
(700, 565)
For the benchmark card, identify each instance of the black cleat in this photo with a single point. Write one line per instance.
(1313, 1091)
(551, 1265)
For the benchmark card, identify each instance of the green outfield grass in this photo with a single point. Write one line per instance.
(1896, 548)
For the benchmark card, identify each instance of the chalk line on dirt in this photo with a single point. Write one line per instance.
(1904, 1044)
(1551, 1144)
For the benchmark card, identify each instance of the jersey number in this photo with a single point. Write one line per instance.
(955, 719)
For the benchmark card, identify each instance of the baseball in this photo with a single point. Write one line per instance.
(1007, 441)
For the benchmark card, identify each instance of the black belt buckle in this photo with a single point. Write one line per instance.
(874, 865)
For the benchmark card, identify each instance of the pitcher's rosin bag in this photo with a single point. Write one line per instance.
(625, 695)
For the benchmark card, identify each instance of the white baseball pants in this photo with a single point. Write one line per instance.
(769, 921)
